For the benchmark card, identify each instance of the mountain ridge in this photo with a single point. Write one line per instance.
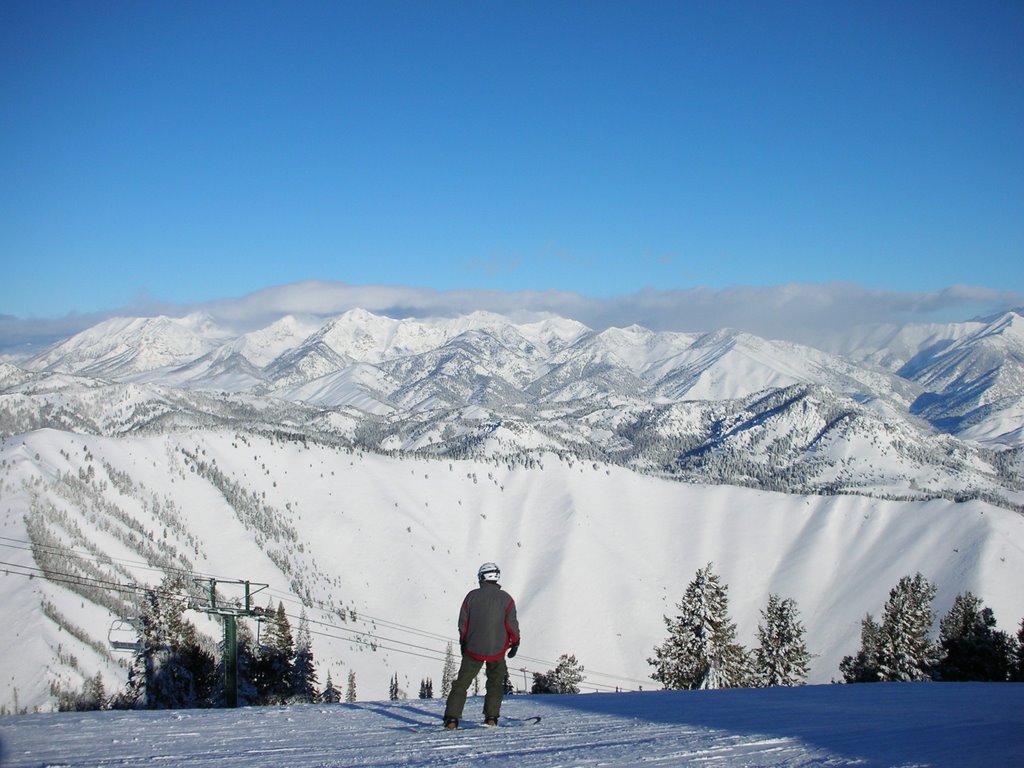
(966, 379)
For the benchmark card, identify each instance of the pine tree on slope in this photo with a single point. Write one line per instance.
(906, 651)
(94, 692)
(275, 660)
(171, 668)
(564, 678)
(863, 668)
(350, 690)
(701, 649)
(972, 648)
(449, 671)
(782, 658)
(246, 642)
(568, 674)
(330, 694)
(1017, 671)
(393, 690)
(305, 684)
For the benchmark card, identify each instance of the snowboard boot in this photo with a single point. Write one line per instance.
(451, 723)
(491, 722)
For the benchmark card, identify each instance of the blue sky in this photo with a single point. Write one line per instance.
(176, 153)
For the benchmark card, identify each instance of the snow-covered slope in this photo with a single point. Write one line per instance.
(800, 439)
(870, 726)
(381, 551)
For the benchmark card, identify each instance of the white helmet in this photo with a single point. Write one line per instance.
(489, 572)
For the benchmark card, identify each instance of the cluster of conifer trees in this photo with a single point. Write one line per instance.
(701, 649)
(900, 648)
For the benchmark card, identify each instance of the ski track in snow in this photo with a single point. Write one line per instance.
(893, 725)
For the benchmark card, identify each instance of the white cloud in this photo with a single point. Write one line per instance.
(809, 313)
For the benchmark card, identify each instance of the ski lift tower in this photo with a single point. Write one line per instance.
(229, 610)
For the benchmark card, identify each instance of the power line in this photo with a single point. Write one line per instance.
(139, 564)
(375, 641)
(439, 655)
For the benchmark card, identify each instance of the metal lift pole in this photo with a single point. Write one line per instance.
(230, 661)
(230, 614)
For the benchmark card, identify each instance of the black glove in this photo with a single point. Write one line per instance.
(512, 650)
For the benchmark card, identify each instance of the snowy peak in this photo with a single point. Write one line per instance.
(975, 384)
(124, 347)
(263, 346)
(12, 376)
(360, 336)
(553, 334)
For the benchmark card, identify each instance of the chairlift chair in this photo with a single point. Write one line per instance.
(123, 634)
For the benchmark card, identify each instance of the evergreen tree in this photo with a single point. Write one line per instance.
(564, 678)
(972, 648)
(542, 683)
(568, 674)
(350, 690)
(171, 669)
(92, 697)
(276, 659)
(94, 693)
(330, 694)
(906, 652)
(247, 657)
(393, 688)
(1017, 667)
(139, 690)
(863, 668)
(782, 657)
(449, 672)
(426, 688)
(305, 684)
(201, 670)
(701, 651)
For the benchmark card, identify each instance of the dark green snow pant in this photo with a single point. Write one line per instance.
(470, 668)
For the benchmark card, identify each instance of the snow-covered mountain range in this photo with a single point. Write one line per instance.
(915, 412)
(965, 379)
(362, 466)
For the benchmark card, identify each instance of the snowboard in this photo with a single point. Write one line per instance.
(467, 725)
(511, 722)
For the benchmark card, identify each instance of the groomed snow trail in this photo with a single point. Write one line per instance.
(904, 725)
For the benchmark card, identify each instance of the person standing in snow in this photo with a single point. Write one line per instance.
(488, 627)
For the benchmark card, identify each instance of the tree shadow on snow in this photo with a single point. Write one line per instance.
(885, 724)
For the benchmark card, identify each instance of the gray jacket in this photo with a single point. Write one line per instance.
(488, 625)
